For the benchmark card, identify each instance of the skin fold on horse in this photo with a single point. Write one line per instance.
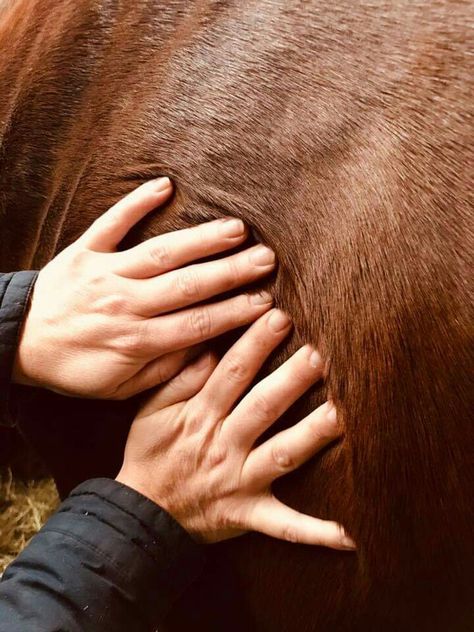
(341, 132)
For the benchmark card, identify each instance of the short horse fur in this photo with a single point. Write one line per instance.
(341, 132)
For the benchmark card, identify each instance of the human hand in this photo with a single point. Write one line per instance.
(193, 453)
(105, 324)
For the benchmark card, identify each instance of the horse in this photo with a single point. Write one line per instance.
(340, 132)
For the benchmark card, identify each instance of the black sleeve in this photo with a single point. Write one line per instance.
(109, 560)
(15, 288)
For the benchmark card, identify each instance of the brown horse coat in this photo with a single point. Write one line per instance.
(341, 132)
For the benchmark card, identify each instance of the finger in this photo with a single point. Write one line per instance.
(184, 385)
(272, 517)
(269, 399)
(193, 326)
(196, 283)
(158, 371)
(242, 362)
(289, 449)
(110, 228)
(173, 250)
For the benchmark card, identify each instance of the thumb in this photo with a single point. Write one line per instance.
(184, 385)
(110, 228)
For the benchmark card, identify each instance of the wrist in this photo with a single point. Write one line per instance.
(140, 486)
(125, 478)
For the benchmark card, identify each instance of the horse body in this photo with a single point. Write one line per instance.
(340, 133)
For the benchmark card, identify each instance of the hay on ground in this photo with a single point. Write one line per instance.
(24, 508)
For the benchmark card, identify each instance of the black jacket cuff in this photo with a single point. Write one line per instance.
(160, 540)
(15, 289)
(109, 559)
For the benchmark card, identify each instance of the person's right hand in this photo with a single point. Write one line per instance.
(192, 451)
(108, 324)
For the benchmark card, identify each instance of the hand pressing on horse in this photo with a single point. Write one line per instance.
(108, 324)
(191, 448)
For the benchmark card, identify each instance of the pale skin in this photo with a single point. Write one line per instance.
(108, 324)
(192, 451)
(110, 319)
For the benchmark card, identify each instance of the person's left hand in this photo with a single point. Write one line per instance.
(108, 324)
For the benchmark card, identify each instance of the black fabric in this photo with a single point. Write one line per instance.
(77, 439)
(108, 560)
(15, 288)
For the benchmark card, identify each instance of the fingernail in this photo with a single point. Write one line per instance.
(262, 298)
(315, 359)
(161, 184)
(331, 414)
(278, 320)
(203, 361)
(232, 228)
(262, 256)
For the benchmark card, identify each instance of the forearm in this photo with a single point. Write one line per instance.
(15, 288)
(109, 559)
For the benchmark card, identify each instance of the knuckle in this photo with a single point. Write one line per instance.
(281, 458)
(263, 406)
(188, 284)
(195, 422)
(133, 342)
(197, 415)
(290, 534)
(83, 269)
(111, 304)
(79, 258)
(160, 255)
(217, 455)
(200, 322)
(234, 270)
(236, 370)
